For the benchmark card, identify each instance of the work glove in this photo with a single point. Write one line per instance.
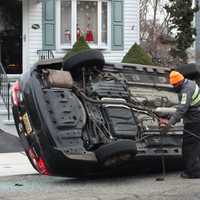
(165, 129)
(164, 125)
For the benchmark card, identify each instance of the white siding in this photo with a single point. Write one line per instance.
(131, 32)
(34, 36)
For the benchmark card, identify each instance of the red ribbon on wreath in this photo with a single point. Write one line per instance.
(89, 35)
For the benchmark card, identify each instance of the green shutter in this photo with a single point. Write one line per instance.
(117, 24)
(48, 17)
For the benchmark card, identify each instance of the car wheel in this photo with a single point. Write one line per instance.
(116, 152)
(89, 59)
(190, 71)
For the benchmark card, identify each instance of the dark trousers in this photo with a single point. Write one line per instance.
(191, 149)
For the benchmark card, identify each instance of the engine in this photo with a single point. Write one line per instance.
(117, 108)
(115, 118)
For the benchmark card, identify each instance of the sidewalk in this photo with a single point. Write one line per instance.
(13, 160)
(15, 164)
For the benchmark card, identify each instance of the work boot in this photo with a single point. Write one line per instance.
(187, 176)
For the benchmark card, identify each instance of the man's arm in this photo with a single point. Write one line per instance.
(183, 106)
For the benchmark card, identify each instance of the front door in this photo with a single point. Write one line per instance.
(11, 36)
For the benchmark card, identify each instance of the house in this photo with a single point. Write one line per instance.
(28, 27)
(109, 25)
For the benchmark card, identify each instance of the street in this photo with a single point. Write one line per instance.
(104, 94)
(18, 181)
(142, 187)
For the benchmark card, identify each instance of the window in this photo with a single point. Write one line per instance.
(66, 22)
(104, 22)
(88, 18)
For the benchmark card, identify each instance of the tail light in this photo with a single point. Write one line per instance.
(42, 166)
(38, 162)
(16, 93)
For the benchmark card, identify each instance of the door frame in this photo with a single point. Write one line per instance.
(25, 7)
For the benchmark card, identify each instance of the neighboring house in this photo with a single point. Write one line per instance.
(109, 25)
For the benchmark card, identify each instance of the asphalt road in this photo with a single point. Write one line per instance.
(140, 187)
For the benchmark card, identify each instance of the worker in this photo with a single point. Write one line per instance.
(188, 109)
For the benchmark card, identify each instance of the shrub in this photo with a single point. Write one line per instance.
(136, 55)
(79, 46)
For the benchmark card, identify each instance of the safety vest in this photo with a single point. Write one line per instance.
(196, 96)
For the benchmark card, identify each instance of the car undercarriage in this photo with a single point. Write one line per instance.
(105, 115)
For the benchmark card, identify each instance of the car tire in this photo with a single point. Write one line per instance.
(108, 151)
(191, 71)
(88, 58)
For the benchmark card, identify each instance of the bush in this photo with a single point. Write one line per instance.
(136, 55)
(79, 46)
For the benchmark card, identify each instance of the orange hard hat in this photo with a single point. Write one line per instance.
(175, 77)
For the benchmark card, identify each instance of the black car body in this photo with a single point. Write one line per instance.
(102, 116)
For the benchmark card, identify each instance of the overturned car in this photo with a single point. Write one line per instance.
(83, 116)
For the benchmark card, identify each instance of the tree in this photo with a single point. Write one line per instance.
(79, 46)
(137, 55)
(181, 18)
(153, 25)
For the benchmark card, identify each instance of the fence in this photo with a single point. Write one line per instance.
(5, 88)
(45, 54)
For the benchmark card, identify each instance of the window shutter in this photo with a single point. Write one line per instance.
(48, 17)
(117, 24)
